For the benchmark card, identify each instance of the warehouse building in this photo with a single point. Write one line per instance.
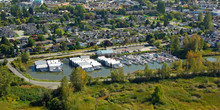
(55, 65)
(41, 66)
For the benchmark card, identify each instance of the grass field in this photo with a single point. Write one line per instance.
(185, 94)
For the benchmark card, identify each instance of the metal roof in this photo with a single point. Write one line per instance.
(102, 52)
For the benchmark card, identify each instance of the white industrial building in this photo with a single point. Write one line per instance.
(85, 66)
(96, 65)
(41, 65)
(85, 63)
(109, 62)
(55, 65)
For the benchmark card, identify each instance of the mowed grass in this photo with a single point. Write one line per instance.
(180, 94)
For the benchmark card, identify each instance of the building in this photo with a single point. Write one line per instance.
(96, 65)
(41, 66)
(55, 65)
(105, 52)
(85, 63)
(85, 66)
(109, 62)
(37, 1)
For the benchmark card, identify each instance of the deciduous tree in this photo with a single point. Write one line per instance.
(78, 78)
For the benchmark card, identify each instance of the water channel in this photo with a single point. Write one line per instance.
(104, 72)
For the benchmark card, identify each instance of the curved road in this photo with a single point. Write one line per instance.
(49, 85)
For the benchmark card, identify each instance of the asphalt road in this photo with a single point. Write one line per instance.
(49, 85)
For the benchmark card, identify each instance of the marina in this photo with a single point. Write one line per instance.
(103, 72)
(147, 58)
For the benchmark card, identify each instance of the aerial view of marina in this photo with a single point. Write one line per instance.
(109, 55)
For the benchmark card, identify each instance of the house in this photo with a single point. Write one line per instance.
(59, 40)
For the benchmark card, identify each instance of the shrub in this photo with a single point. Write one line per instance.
(141, 90)
(55, 104)
(103, 92)
(12, 98)
(26, 94)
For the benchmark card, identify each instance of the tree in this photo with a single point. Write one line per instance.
(66, 16)
(164, 71)
(31, 11)
(147, 72)
(107, 43)
(218, 47)
(200, 17)
(208, 21)
(117, 75)
(147, 22)
(31, 42)
(3, 16)
(62, 19)
(15, 11)
(5, 81)
(59, 32)
(46, 98)
(152, 40)
(157, 96)
(157, 43)
(25, 12)
(41, 38)
(126, 41)
(55, 104)
(78, 78)
(31, 20)
(178, 66)
(132, 18)
(158, 24)
(65, 92)
(5, 41)
(122, 11)
(166, 22)
(79, 11)
(5, 49)
(121, 74)
(175, 44)
(63, 45)
(25, 57)
(161, 7)
(38, 49)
